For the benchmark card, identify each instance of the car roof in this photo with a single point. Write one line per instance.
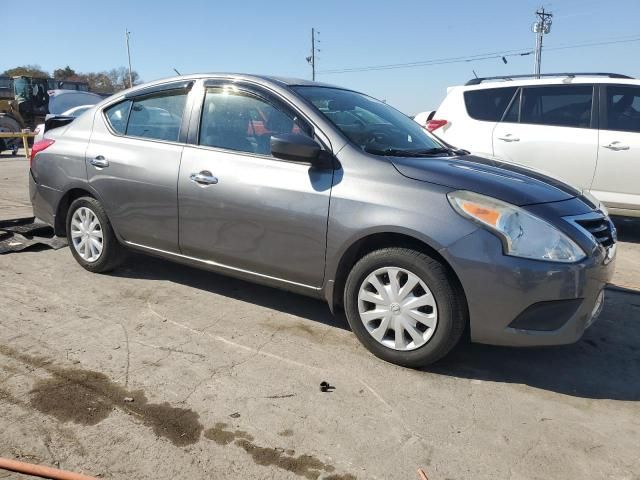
(264, 79)
(566, 80)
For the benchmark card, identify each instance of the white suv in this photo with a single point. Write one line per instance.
(582, 128)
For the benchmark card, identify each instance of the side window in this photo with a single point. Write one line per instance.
(238, 120)
(562, 106)
(117, 116)
(158, 116)
(488, 104)
(623, 108)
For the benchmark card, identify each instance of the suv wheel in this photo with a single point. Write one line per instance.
(91, 238)
(404, 306)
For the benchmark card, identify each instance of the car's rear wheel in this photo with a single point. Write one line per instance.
(404, 306)
(91, 238)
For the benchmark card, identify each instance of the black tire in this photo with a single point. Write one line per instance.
(9, 124)
(112, 253)
(450, 301)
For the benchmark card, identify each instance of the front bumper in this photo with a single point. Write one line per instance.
(501, 289)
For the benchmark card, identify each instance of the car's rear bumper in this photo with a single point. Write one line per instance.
(42, 200)
(519, 302)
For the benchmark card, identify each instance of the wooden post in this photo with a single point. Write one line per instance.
(25, 142)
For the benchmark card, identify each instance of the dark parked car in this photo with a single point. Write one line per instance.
(336, 195)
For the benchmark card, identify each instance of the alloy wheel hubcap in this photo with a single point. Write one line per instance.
(86, 234)
(397, 308)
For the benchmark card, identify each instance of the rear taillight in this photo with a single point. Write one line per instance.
(40, 146)
(435, 124)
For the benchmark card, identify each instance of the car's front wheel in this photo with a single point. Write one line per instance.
(91, 238)
(404, 306)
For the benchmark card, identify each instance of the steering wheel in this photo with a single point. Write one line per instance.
(375, 134)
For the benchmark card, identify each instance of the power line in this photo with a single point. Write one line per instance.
(478, 57)
(439, 61)
(593, 44)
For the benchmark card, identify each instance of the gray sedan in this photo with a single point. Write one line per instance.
(330, 193)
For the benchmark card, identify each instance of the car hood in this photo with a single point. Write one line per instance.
(508, 182)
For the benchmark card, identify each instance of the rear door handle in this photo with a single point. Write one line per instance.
(99, 162)
(616, 146)
(203, 178)
(509, 138)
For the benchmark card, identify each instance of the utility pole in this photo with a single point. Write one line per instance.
(541, 27)
(311, 59)
(126, 34)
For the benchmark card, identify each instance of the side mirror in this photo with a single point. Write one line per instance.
(298, 148)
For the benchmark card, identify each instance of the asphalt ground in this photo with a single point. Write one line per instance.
(162, 371)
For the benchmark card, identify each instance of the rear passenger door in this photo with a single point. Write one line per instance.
(485, 106)
(617, 179)
(552, 128)
(133, 159)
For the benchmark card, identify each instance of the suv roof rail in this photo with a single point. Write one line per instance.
(478, 81)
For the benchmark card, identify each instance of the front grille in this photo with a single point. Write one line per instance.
(601, 228)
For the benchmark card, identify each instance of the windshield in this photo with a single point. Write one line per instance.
(372, 125)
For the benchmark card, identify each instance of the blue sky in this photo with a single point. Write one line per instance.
(272, 37)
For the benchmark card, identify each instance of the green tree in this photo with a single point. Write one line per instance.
(64, 73)
(99, 82)
(27, 71)
(120, 77)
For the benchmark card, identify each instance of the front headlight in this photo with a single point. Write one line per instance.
(523, 234)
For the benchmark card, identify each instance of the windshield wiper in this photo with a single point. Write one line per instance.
(396, 152)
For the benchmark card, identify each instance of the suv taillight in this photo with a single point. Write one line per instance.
(38, 147)
(435, 124)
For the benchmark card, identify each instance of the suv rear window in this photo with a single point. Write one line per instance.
(488, 104)
(561, 106)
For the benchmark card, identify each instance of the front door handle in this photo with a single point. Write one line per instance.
(203, 178)
(616, 146)
(99, 162)
(509, 138)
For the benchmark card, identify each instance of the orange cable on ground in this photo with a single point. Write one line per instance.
(422, 475)
(40, 471)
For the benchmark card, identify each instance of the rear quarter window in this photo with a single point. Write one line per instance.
(488, 104)
(117, 115)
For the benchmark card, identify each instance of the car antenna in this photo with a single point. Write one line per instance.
(474, 73)
(176, 70)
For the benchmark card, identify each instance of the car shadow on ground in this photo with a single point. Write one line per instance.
(628, 229)
(605, 364)
(148, 267)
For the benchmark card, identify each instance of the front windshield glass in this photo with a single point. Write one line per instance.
(372, 125)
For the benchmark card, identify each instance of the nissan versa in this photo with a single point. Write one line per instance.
(328, 192)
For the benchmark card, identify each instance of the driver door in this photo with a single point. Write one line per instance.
(243, 209)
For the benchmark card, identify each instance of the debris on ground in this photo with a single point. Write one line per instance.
(326, 387)
(21, 233)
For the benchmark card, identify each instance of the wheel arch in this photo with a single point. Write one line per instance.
(60, 219)
(375, 241)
